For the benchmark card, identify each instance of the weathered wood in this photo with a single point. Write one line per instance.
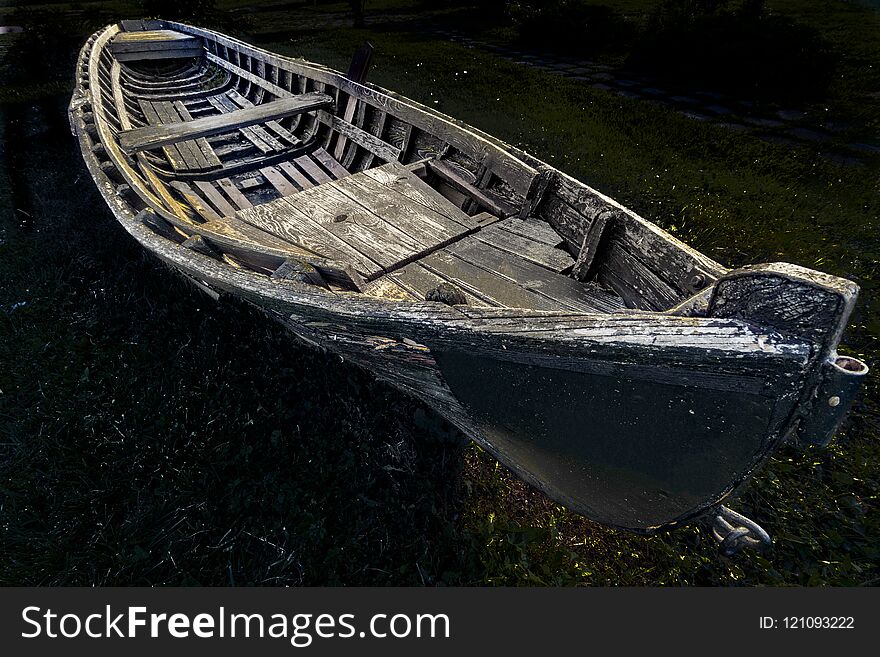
(254, 134)
(234, 193)
(278, 181)
(454, 178)
(560, 291)
(216, 198)
(296, 269)
(484, 284)
(356, 224)
(364, 139)
(199, 244)
(127, 42)
(360, 64)
(211, 160)
(419, 280)
(534, 229)
(553, 259)
(790, 299)
(429, 227)
(193, 157)
(288, 222)
(177, 53)
(757, 352)
(403, 182)
(195, 201)
(172, 152)
(307, 164)
(333, 166)
(295, 175)
(274, 126)
(149, 137)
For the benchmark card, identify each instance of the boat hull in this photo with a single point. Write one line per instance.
(640, 420)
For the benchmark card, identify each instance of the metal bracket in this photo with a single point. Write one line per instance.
(734, 531)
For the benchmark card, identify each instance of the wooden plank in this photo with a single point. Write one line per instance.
(534, 229)
(255, 133)
(220, 104)
(172, 152)
(216, 198)
(194, 200)
(274, 126)
(483, 197)
(179, 53)
(553, 259)
(560, 291)
(234, 193)
(295, 175)
(192, 155)
(281, 184)
(148, 137)
(273, 89)
(310, 167)
(484, 284)
(398, 178)
(290, 223)
(211, 159)
(361, 137)
(137, 41)
(419, 280)
(358, 226)
(330, 163)
(431, 229)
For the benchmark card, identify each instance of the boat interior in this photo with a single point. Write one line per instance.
(274, 169)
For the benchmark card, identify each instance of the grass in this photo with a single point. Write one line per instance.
(149, 436)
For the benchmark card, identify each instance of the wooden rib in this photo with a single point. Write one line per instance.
(347, 115)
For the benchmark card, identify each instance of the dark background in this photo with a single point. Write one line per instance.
(150, 436)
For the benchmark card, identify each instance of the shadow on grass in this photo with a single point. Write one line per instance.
(754, 57)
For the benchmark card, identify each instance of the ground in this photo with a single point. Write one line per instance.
(150, 436)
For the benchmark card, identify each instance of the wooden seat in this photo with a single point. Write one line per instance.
(154, 44)
(155, 136)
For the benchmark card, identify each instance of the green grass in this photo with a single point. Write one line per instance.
(149, 436)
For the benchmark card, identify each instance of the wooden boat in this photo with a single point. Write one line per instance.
(624, 374)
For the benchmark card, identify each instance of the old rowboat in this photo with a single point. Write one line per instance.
(624, 374)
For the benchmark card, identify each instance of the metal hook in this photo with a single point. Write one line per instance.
(734, 532)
